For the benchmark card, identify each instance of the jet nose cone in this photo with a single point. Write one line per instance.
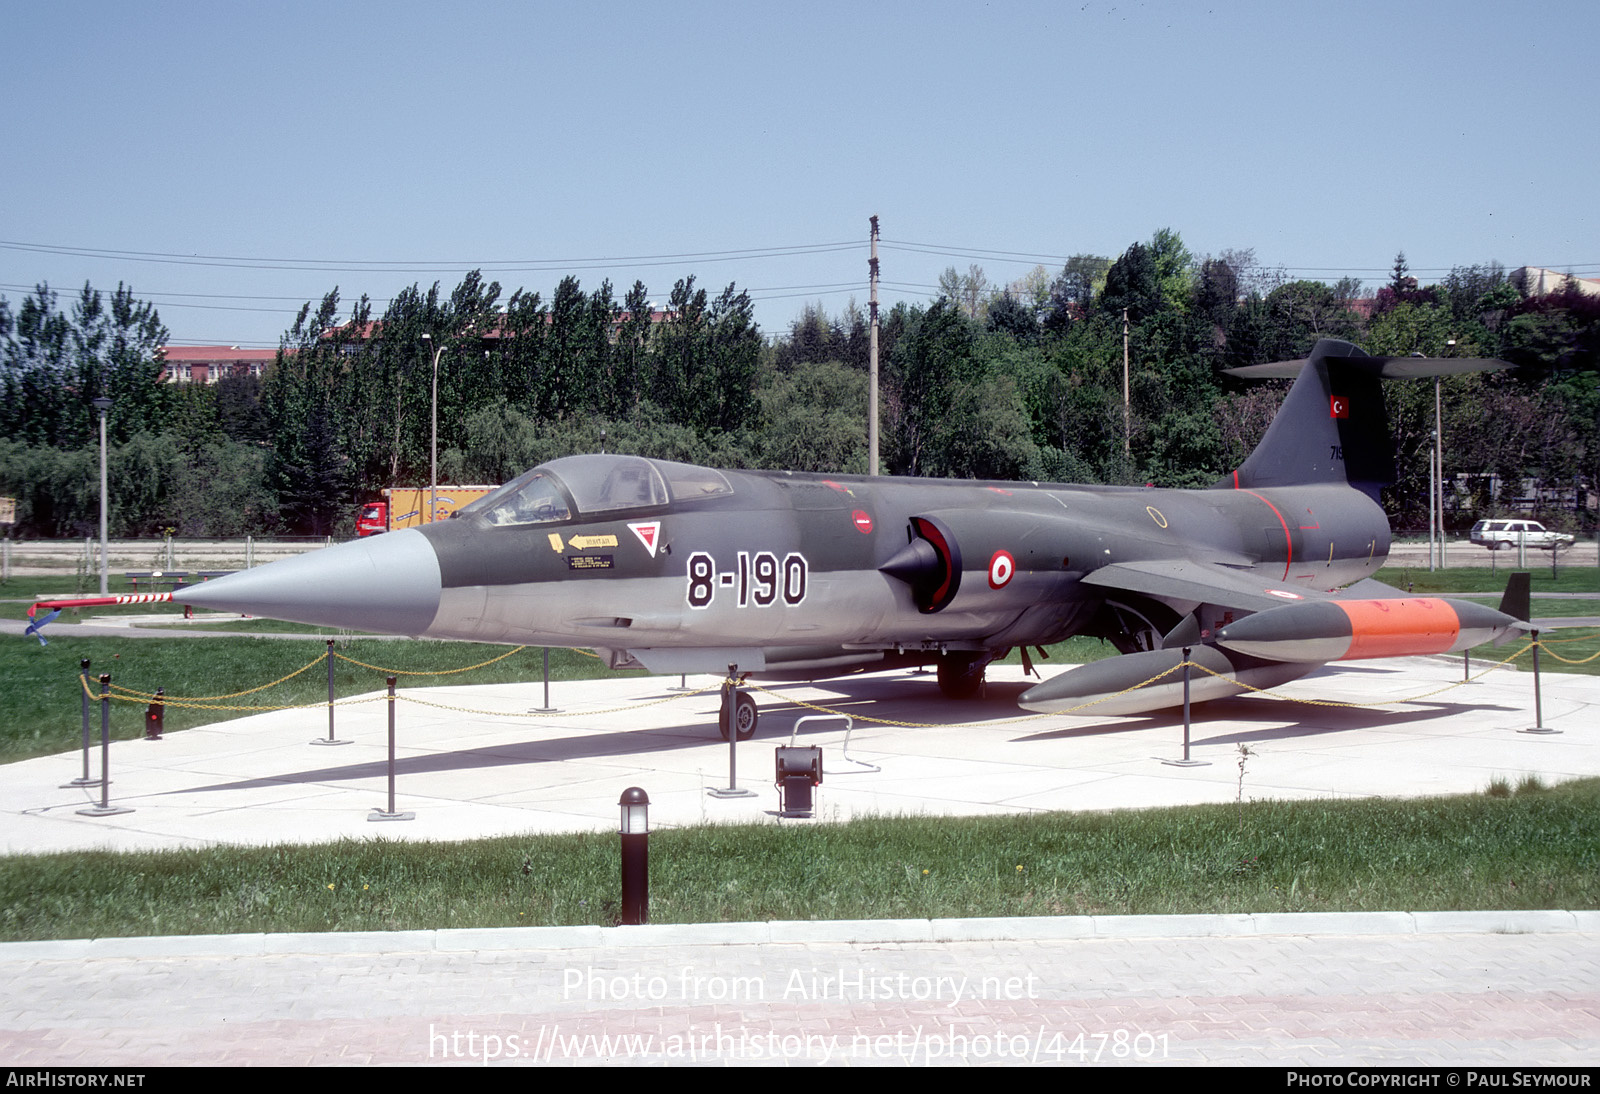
(389, 583)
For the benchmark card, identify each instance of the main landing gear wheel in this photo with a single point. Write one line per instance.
(745, 716)
(961, 674)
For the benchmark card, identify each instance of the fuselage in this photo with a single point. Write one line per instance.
(774, 560)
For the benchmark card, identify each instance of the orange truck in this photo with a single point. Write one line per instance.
(407, 507)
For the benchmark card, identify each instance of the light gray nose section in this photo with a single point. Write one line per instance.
(388, 583)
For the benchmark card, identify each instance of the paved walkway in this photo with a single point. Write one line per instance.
(1386, 989)
(1444, 989)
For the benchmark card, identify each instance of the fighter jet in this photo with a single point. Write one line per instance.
(686, 569)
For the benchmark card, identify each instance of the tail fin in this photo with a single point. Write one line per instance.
(1332, 426)
(1515, 601)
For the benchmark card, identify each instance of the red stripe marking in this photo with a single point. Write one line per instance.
(1288, 545)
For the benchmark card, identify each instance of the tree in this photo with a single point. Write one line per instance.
(53, 366)
(929, 360)
(1133, 282)
(968, 291)
(814, 419)
(1174, 269)
(1073, 291)
(1013, 315)
(631, 357)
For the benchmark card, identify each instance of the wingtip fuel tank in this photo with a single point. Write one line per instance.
(1354, 630)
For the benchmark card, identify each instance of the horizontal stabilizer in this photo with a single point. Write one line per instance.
(1385, 368)
(1332, 426)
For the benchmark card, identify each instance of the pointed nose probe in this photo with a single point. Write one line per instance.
(388, 583)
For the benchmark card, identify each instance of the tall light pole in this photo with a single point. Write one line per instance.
(1127, 405)
(102, 404)
(872, 357)
(433, 474)
(1438, 451)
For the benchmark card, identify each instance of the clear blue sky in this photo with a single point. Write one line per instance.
(370, 146)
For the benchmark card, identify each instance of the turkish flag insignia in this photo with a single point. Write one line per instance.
(1338, 406)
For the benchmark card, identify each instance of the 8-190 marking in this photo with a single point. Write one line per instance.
(759, 579)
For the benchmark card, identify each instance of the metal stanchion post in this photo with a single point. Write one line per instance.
(1186, 761)
(547, 708)
(105, 808)
(83, 692)
(1538, 704)
(329, 739)
(390, 814)
(729, 721)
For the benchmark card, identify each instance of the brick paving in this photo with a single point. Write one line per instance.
(1346, 992)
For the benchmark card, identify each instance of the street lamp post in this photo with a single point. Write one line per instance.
(433, 463)
(103, 404)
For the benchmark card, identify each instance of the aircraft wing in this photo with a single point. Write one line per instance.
(1204, 582)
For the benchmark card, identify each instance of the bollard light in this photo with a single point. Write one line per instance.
(635, 819)
(155, 716)
(634, 827)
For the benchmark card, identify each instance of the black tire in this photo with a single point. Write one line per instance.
(961, 675)
(745, 715)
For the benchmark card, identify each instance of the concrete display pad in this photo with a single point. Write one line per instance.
(473, 762)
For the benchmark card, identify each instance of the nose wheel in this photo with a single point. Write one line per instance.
(745, 716)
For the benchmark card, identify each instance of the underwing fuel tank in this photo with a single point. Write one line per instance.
(1113, 686)
(1353, 630)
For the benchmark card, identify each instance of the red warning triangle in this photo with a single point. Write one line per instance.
(649, 534)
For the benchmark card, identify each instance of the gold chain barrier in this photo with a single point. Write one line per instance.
(207, 702)
(435, 672)
(130, 694)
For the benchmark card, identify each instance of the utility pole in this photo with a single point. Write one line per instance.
(872, 356)
(433, 461)
(1127, 413)
(103, 404)
(1438, 454)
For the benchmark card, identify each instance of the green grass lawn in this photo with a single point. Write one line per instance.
(42, 710)
(1530, 847)
(1481, 579)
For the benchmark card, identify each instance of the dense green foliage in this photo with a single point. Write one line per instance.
(1528, 848)
(1017, 382)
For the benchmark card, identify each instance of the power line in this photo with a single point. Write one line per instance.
(531, 265)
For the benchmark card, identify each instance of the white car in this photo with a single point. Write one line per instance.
(1504, 534)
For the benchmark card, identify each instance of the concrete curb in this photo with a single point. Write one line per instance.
(800, 932)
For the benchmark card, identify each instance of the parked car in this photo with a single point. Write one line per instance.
(1504, 534)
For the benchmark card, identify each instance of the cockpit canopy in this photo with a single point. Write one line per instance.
(595, 485)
